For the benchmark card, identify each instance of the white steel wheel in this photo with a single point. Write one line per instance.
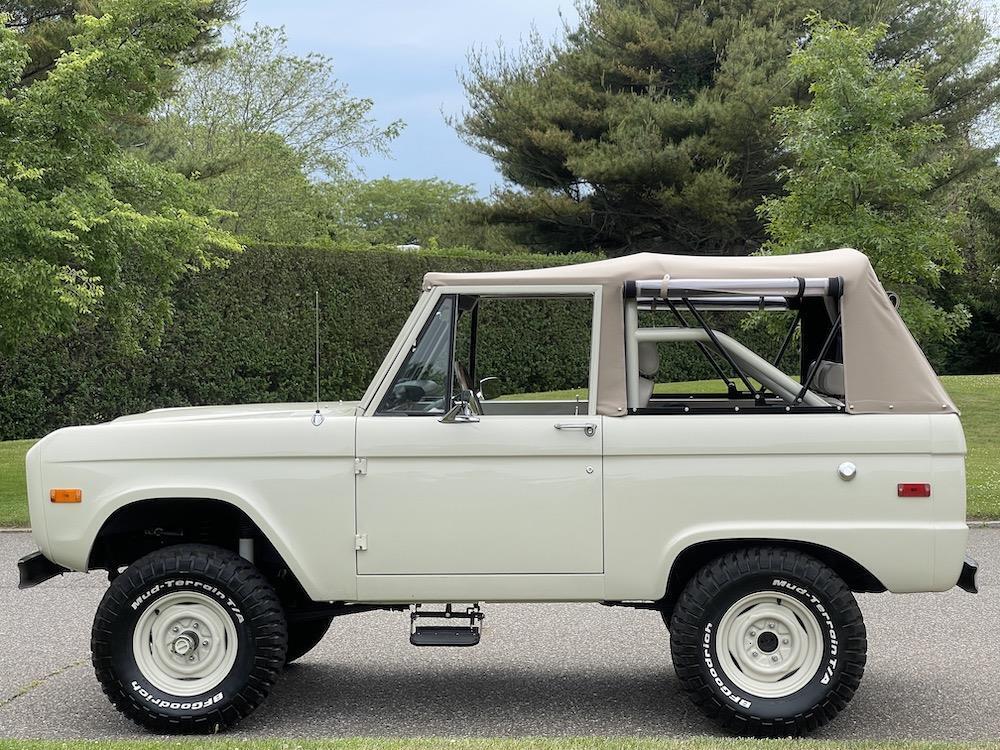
(189, 638)
(769, 644)
(185, 644)
(768, 641)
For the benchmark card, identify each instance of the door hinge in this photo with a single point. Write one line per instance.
(361, 466)
(360, 542)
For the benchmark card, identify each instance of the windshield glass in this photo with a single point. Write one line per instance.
(421, 385)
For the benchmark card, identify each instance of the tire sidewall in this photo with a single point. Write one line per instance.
(123, 663)
(831, 625)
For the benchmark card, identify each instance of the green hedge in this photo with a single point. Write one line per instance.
(244, 334)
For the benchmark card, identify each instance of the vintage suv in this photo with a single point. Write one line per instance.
(233, 535)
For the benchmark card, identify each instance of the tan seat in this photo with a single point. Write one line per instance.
(829, 378)
(649, 366)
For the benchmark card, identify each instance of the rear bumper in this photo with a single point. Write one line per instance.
(967, 579)
(36, 568)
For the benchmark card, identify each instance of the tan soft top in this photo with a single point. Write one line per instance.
(885, 371)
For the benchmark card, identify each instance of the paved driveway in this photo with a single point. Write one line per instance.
(933, 670)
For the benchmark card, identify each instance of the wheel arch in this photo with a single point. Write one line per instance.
(148, 522)
(857, 577)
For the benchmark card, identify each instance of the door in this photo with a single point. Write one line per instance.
(512, 488)
(505, 495)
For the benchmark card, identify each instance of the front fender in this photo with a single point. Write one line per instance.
(294, 480)
(74, 550)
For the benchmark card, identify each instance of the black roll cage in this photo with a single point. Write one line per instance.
(814, 303)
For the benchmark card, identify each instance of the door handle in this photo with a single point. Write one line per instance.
(589, 428)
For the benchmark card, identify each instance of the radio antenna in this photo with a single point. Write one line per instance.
(317, 417)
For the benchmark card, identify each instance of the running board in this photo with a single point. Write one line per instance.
(465, 634)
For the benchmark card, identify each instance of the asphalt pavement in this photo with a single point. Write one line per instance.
(567, 669)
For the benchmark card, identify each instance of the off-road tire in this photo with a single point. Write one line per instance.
(716, 589)
(230, 581)
(304, 636)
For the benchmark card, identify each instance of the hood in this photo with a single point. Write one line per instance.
(242, 411)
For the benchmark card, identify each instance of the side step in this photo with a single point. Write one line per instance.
(465, 634)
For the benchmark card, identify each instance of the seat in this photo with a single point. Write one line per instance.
(829, 378)
(649, 366)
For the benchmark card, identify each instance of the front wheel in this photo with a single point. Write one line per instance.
(189, 638)
(768, 641)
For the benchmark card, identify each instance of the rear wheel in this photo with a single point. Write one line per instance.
(768, 641)
(189, 638)
(304, 636)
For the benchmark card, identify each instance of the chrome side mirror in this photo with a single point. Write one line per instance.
(489, 388)
(462, 410)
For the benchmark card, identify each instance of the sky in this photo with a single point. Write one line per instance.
(405, 55)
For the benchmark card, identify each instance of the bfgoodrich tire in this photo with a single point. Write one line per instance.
(768, 642)
(190, 638)
(304, 636)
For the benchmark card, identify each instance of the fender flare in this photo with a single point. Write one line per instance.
(116, 503)
(707, 537)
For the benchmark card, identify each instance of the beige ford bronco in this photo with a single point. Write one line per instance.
(746, 511)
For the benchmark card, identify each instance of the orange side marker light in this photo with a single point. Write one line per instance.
(66, 496)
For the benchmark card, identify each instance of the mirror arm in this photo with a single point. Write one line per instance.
(461, 411)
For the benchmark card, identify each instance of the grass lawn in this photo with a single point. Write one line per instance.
(978, 396)
(13, 502)
(458, 743)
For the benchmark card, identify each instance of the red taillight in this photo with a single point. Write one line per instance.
(913, 489)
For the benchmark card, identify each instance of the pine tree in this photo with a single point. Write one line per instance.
(649, 126)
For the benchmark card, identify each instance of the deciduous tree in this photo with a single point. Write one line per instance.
(977, 348)
(258, 125)
(46, 27)
(862, 171)
(87, 229)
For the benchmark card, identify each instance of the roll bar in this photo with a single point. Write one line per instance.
(752, 363)
(700, 295)
(714, 304)
(793, 286)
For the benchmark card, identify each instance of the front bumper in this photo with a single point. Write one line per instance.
(36, 568)
(967, 579)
